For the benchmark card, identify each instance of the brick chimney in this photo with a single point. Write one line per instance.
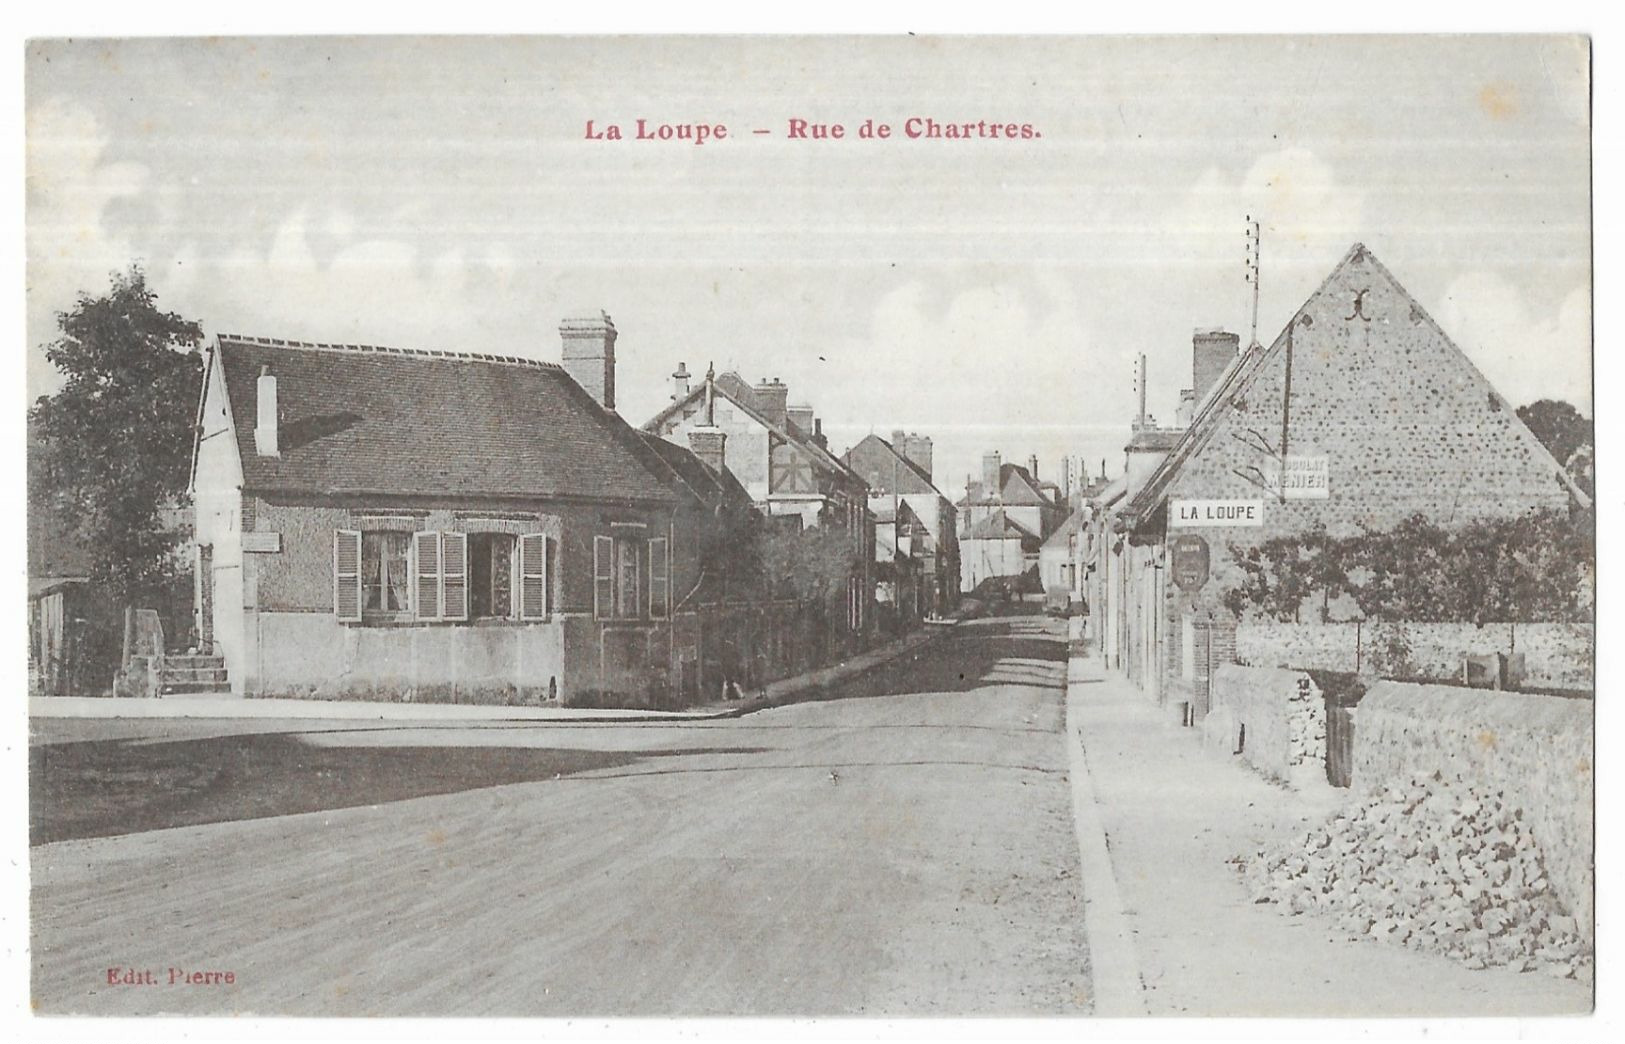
(589, 355)
(710, 445)
(917, 448)
(679, 383)
(802, 418)
(990, 474)
(772, 399)
(1212, 351)
(266, 416)
(1032, 467)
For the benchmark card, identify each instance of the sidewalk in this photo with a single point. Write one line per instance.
(1172, 815)
(783, 691)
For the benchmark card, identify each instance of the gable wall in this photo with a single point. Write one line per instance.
(746, 451)
(1405, 420)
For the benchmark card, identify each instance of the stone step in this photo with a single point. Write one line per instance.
(198, 687)
(168, 673)
(194, 661)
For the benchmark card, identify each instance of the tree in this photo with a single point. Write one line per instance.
(1561, 428)
(115, 442)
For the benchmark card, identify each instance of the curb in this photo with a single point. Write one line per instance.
(1114, 966)
(250, 709)
(834, 675)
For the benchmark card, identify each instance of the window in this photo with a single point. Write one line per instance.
(490, 575)
(431, 576)
(440, 575)
(383, 573)
(628, 557)
(618, 565)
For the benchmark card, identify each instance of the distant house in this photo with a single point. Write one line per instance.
(1006, 495)
(997, 546)
(778, 453)
(1058, 558)
(379, 523)
(898, 474)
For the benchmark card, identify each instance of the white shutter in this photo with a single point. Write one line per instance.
(426, 575)
(603, 577)
(533, 576)
(347, 575)
(659, 577)
(454, 576)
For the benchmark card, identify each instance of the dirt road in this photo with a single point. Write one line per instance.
(903, 848)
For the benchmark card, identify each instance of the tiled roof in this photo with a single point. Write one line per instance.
(997, 526)
(1016, 487)
(874, 452)
(358, 419)
(706, 484)
(732, 387)
(1062, 537)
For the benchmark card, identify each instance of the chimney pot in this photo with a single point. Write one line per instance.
(679, 382)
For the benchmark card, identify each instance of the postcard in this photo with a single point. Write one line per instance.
(808, 526)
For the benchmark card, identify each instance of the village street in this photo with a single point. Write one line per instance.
(904, 846)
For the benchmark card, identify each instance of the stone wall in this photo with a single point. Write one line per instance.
(1276, 718)
(1537, 750)
(1556, 655)
(312, 655)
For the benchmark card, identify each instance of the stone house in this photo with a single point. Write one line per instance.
(899, 473)
(1361, 413)
(379, 523)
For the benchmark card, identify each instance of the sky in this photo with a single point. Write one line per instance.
(993, 294)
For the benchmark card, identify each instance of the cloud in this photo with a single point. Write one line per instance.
(984, 358)
(1307, 215)
(70, 248)
(1527, 354)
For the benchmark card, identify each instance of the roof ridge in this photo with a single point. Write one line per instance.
(373, 349)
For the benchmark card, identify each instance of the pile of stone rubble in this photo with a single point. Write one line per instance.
(1444, 867)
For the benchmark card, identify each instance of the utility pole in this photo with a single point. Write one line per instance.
(1255, 249)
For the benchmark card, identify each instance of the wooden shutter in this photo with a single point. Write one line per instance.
(603, 577)
(347, 575)
(659, 577)
(533, 576)
(454, 576)
(426, 575)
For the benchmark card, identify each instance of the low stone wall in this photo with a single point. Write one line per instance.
(1276, 717)
(1556, 655)
(1536, 750)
